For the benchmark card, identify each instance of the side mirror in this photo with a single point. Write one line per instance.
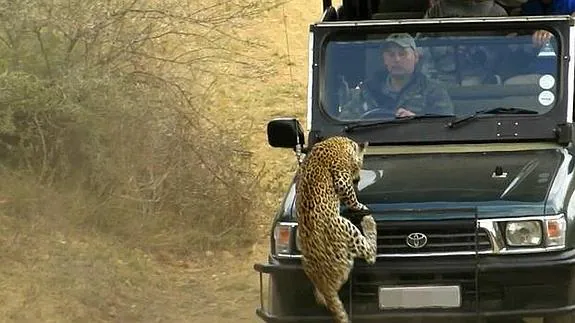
(285, 133)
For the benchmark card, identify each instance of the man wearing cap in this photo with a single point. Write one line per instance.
(400, 90)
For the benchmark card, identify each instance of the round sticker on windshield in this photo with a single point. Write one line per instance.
(546, 81)
(546, 98)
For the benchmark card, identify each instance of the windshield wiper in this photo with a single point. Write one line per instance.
(498, 110)
(352, 127)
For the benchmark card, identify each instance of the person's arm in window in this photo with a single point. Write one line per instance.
(439, 102)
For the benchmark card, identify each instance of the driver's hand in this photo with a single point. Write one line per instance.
(540, 37)
(402, 112)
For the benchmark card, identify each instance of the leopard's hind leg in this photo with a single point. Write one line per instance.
(335, 306)
(369, 250)
(362, 245)
(319, 297)
(339, 274)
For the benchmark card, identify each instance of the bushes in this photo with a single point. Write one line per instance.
(107, 97)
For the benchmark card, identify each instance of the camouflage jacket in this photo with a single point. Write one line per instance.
(420, 96)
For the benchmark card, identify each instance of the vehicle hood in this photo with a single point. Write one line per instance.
(479, 182)
(497, 183)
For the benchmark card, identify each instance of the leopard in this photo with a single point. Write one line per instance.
(329, 242)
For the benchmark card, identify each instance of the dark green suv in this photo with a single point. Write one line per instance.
(469, 171)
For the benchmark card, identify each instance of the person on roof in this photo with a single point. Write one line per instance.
(543, 8)
(513, 7)
(548, 7)
(465, 8)
(399, 89)
(440, 60)
(511, 3)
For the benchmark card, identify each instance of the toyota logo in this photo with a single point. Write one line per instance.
(416, 240)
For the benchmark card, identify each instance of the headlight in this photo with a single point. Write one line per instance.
(523, 233)
(283, 241)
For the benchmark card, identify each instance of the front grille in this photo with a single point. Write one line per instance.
(442, 237)
(516, 289)
(365, 286)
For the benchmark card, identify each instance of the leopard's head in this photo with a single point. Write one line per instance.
(360, 151)
(357, 159)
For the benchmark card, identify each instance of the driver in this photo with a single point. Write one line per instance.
(400, 89)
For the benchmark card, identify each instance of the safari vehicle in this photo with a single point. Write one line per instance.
(475, 209)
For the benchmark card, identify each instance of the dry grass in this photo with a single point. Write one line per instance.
(282, 36)
(54, 271)
(58, 266)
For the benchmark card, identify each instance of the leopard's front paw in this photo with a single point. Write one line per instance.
(362, 208)
(368, 224)
(370, 260)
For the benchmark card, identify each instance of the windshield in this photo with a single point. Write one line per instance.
(385, 76)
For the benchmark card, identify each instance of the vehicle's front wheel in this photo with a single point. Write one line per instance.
(564, 318)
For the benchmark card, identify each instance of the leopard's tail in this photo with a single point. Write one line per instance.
(335, 306)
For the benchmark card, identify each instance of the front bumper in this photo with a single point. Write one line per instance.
(491, 286)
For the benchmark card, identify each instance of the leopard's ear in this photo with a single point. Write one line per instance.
(363, 145)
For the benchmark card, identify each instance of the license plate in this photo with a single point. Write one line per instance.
(402, 297)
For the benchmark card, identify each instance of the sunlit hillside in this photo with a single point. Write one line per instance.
(71, 254)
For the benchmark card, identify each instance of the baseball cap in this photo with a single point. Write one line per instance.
(401, 39)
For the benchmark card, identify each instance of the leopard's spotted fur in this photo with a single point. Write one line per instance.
(329, 242)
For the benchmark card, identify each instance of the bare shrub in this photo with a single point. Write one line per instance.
(112, 98)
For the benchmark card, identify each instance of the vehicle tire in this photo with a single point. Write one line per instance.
(564, 318)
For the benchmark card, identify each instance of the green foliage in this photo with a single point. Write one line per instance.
(108, 96)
